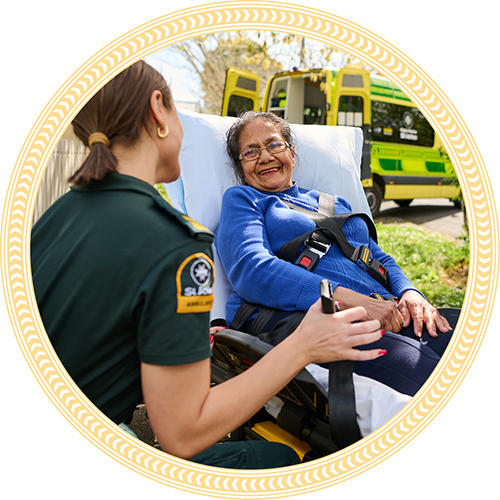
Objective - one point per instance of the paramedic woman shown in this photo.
(124, 288)
(256, 222)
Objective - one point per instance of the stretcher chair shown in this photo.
(327, 159)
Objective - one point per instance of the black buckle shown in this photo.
(378, 271)
(363, 257)
(313, 251)
(389, 297)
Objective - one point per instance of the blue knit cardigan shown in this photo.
(253, 227)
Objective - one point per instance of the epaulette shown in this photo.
(195, 229)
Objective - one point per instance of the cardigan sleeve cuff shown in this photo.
(310, 292)
(403, 285)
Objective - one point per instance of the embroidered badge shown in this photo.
(194, 279)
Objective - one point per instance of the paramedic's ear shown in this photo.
(157, 106)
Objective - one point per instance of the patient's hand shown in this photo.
(414, 307)
(386, 311)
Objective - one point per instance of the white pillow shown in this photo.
(327, 159)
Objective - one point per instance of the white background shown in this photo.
(43, 456)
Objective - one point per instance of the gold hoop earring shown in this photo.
(162, 135)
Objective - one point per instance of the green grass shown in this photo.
(436, 266)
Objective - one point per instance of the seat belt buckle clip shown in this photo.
(307, 259)
(316, 246)
(393, 298)
(362, 256)
(377, 296)
(378, 272)
(313, 251)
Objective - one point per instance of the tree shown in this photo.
(262, 52)
(209, 56)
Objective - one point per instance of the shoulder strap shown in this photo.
(326, 204)
(326, 210)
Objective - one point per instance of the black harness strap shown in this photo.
(342, 404)
(242, 314)
(261, 320)
(258, 323)
(329, 230)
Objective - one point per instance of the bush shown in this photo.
(436, 266)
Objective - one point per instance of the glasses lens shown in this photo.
(250, 154)
(276, 147)
(273, 148)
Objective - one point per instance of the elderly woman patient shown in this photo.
(257, 220)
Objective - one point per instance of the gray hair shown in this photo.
(234, 133)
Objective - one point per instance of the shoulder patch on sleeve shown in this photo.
(194, 280)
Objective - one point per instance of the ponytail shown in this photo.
(99, 162)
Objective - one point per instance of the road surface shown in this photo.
(436, 214)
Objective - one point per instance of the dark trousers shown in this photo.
(248, 455)
(409, 360)
(406, 366)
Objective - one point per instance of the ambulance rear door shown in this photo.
(241, 92)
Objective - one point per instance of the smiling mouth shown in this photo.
(269, 171)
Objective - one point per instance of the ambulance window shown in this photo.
(350, 111)
(314, 101)
(238, 104)
(278, 100)
(435, 166)
(400, 124)
(246, 83)
(352, 81)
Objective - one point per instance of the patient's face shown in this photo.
(271, 173)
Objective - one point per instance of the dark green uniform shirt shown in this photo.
(121, 278)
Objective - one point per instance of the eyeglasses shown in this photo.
(254, 153)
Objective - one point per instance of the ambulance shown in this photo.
(403, 158)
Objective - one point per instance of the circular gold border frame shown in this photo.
(16, 227)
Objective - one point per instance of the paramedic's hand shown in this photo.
(213, 331)
(323, 338)
(414, 307)
(386, 311)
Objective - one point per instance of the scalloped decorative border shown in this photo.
(16, 228)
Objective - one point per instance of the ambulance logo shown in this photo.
(408, 119)
(201, 272)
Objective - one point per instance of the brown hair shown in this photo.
(120, 110)
(234, 133)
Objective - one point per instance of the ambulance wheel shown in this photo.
(374, 197)
(403, 203)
